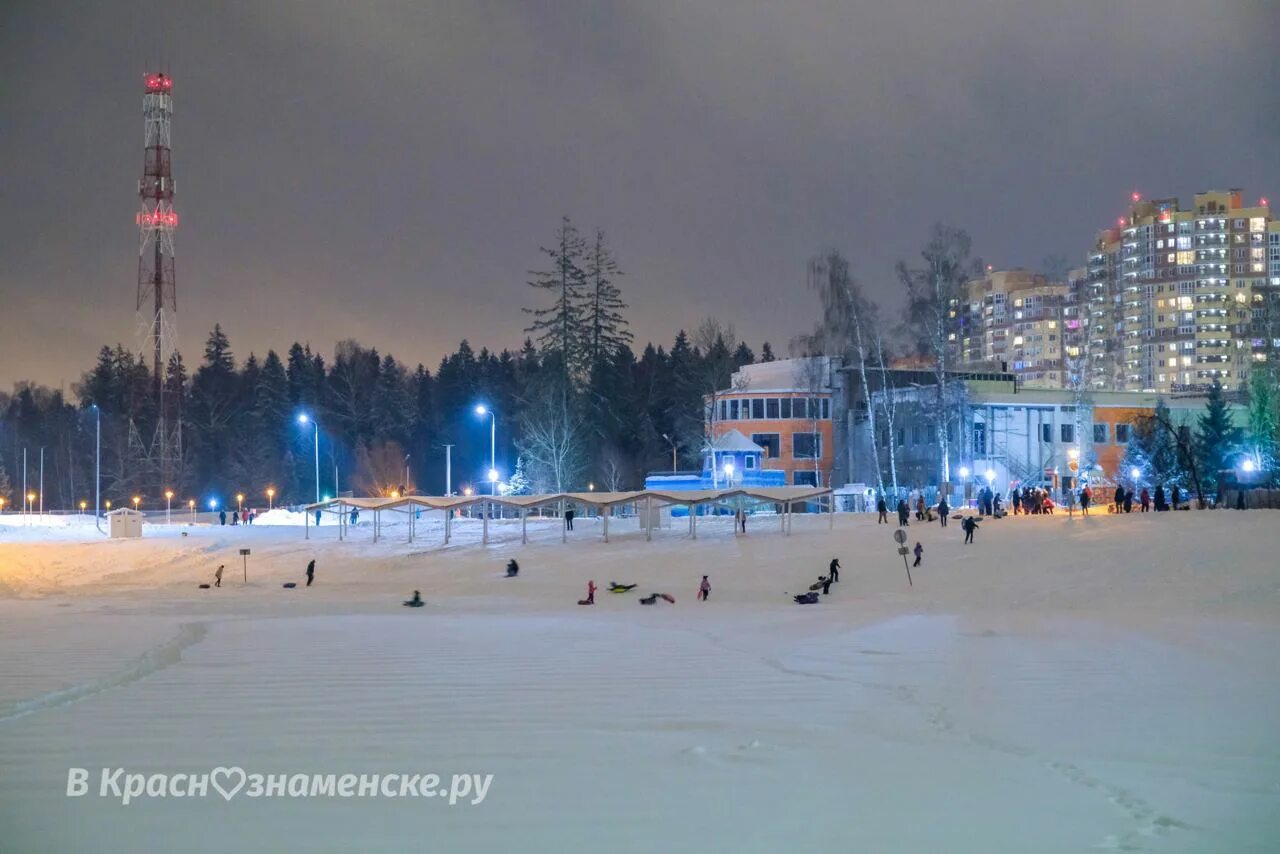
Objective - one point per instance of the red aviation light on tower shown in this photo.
(1263, 202)
(157, 83)
(1137, 197)
(157, 219)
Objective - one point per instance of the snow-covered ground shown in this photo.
(1060, 685)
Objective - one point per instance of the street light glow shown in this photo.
(1247, 466)
(168, 494)
(493, 475)
(303, 418)
(964, 471)
(481, 409)
(1134, 473)
(991, 475)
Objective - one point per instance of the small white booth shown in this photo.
(124, 523)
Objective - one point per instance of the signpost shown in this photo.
(900, 537)
(244, 554)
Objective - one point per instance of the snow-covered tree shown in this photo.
(1217, 439)
(520, 483)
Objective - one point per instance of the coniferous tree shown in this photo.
(559, 327)
(1217, 439)
(605, 326)
(766, 353)
(1262, 420)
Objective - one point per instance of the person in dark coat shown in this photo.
(903, 513)
(1015, 498)
(704, 589)
(1128, 501)
(568, 519)
(969, 525)
(513, 568)
(1145, 500)
(883, 509)
(1160, 502)
(826, 584)
(317, 518)
(1086, 495)
(919, 552)
(943, 510)
(833, 571)
(311, 572)
(1239, 498)
(1119, 498)
(1177, 496)
(222, 517)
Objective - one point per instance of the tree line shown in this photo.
(575, 405)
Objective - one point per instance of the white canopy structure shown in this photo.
(604, 502)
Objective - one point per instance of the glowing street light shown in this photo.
(84, 505)
(964, 472)
(191, 505)
(1, 505)
(395, 493)
(1135, 473)
(482, 411)
(271, 497)
(213, 504)
(728, 472)
(303, 418)
(467, 491)
(168, 506)
(239, 501)
(1247, 466)
(107, 503)
(136, 501)
(591, 487)
(991, 476)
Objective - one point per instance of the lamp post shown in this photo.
(168, 506)
(1, 505)
(728, 473)
(239, 503)
(136, 501)
(406, 473)
(672, 443)
(97, 470)
(31, 502)
(493, 445)
(271, 497)
(107, 505)
(191, 505)
(84, 505)
(305, 419)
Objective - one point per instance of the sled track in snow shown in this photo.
(155, 659)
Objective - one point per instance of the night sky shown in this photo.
(387, 171)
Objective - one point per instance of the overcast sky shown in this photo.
(387, 171)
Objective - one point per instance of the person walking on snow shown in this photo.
(969, 525)
(833, 571)
(1145, 500)
(704, 589)
(311, 572)
(883, 509)
(222, 517)
(943, 510)
(217, 576)
(919, 552)
(920, 509)
(1128, 501)
(1086, 495)
(591, 593)
(903, 513)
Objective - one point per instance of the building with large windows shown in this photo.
(784, 407)
(1017, 317)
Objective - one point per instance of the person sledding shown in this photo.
(415, 602)
(591, 594)
(810, 598)
(615, 587)
(513, 568)
(654, 597)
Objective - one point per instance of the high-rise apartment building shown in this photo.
(1016, 317)
(1177, 298)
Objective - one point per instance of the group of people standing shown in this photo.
(243, 516)
(1031, 500)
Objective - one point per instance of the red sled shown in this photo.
(668, 597)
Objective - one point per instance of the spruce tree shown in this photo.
(1217, 439)
(559, 327)
(766, 353)
(605, 325)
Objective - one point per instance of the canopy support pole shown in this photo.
(606, 511)
(564, 525)
(648, 518)
(484, 513)
(524, 525)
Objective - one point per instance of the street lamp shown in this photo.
(306, 419)
(107, 504)
(483, 410)
(728, 472)
(991, 476)
(31, 500)
(271, 497)
(1135, 473)
(84, 505)
(239, 502)
(672, 443)
(191, 505)
(964, 472)
(168, 506)
(466, 491)
(1, 505)
(1247, 466)
(97, 469)
(136, 501)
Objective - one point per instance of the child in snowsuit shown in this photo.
(591, 594)
(919, 552)
(704, 589)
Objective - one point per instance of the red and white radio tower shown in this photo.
(157, 286)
